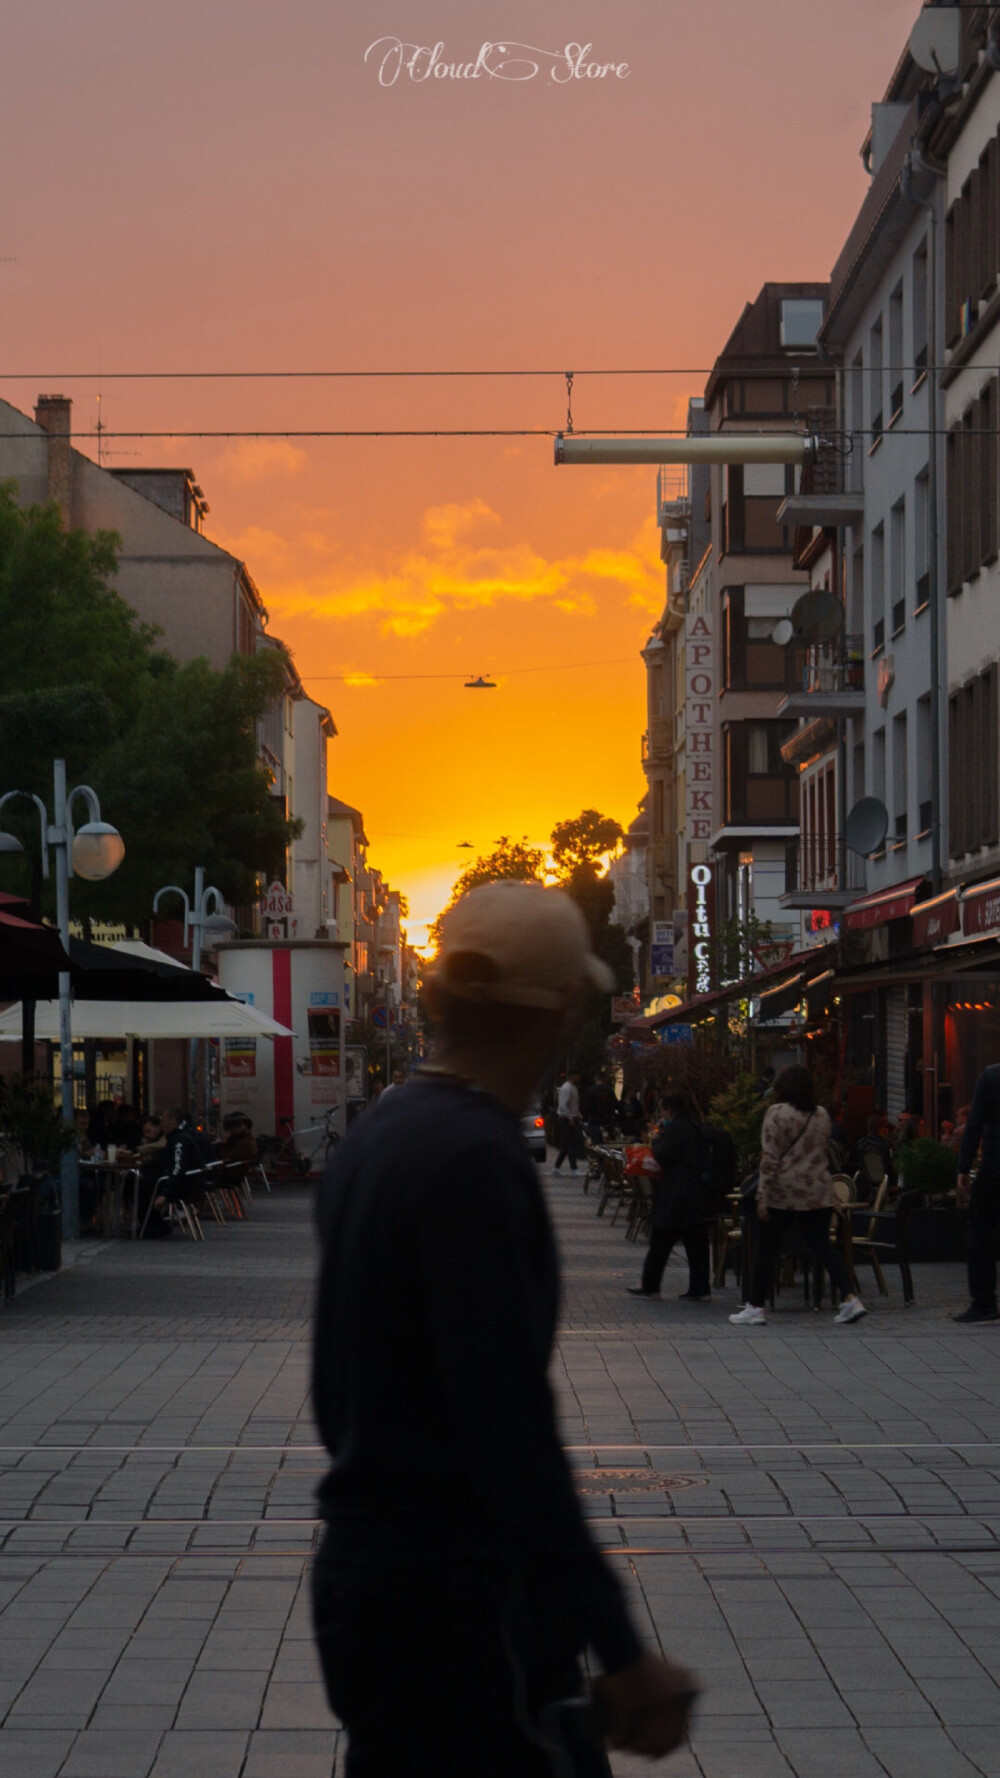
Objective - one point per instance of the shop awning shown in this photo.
(775, 979)
(981, 908)
(934, 921)
(882, 905)
(776, 1001)
(218, 1017)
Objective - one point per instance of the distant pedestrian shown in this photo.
(679, 1210)
(796, 1191)
(982, 1194)
(569, 1124)
(456, 1585)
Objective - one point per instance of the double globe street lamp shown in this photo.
(204, 918)
(93, 851)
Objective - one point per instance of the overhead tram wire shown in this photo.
(796, 361)
(592, 431)
(363, 681)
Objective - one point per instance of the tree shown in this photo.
(510, 861)
(170, 749)
(584, 840)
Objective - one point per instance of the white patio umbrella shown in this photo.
(220, 1016)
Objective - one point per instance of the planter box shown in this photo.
(937, 1232)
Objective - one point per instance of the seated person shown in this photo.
(876, 1142)
(239, 1142)
(84, 1146)
(178, 1157)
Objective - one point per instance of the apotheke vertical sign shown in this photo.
(699, 725)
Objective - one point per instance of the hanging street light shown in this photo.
(93, 852)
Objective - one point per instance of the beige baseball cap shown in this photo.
(518, 944)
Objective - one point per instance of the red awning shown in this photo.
(882, 905)
(981, 908)
(934, 921)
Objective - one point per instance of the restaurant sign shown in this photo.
(701, 927)
(981, 908)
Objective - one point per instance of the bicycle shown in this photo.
(295, 1156)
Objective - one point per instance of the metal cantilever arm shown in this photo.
(43, 816)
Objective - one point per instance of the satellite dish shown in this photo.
(936, 40)
(783, 632)
(867, 826)
(818, 616)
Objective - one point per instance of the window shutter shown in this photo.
(951, 303)
(991, 472)
(991, 758)
(988, 217)
(956, 842)
(953, 509)
(968, 498)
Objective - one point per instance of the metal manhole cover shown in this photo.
(633, 1481)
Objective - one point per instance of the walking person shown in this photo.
(569, 1127)
(679, 1211)
(457, 1585)
(796, 1191)
(982, 1195)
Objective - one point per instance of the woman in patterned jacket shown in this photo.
(796, 1190)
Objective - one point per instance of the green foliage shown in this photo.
(510, 861)
(584, 841)
(169, 748)
(740, 1110)
(737, 946)
(927, 1166)
(32, 1132)
(203, 798)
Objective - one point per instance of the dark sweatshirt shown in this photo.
(435, 1323)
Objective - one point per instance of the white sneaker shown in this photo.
(751, 1317)
(850, 1311)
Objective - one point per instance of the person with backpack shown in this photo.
(795, 1190)
(683, 1201)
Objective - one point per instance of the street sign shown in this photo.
(277, 903)
(378, 1017)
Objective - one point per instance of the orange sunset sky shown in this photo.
(225, 185)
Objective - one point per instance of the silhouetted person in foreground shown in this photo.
(982, 1195)
(456, 1585)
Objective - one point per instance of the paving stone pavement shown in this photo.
(808, 1514)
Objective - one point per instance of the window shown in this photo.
(801, 320)
(896, 351)
(924, 737)
(900, 776)
(921, 540)
(878, 586)
(973, 746)
(897, 568)
(971, 248)
(757, 749)
(878, 764)
(920, 310)
(875, 380)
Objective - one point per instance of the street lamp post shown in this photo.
(93, 852)
(202, 916)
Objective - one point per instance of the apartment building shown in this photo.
(743, 801)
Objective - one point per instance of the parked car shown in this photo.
(533, 1131)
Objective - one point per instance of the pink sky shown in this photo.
(225, 185)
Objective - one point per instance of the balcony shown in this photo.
(828, 877)
(833, 681)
